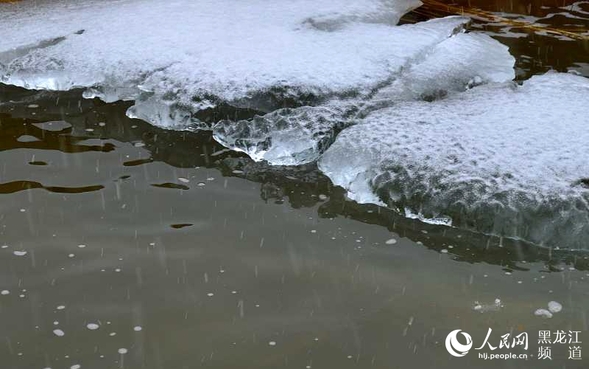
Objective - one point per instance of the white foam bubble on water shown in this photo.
(58, 332)
(92, 326)
(554, 307)
(484, 308)
(19, 253)
(500, 158)
(543, 313)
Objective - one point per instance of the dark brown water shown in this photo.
(127, 246)
(543, 35)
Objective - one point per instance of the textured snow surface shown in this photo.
(499, 158)
(182, 56)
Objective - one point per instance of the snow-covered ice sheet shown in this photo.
(298, 136)
(179, 57)
(500, 158)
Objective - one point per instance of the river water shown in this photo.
(124, 245)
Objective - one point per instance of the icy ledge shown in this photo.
(500, 159)
(177, 58)
(298, 136)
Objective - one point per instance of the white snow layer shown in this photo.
(178, 57)
(483, 152)
(502, 159)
